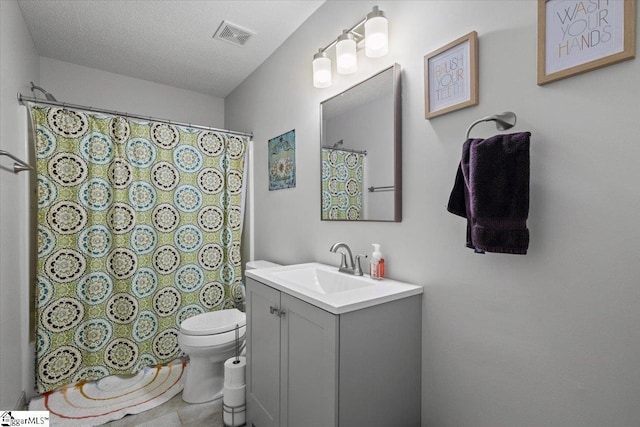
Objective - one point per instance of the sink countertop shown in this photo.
(367, 292)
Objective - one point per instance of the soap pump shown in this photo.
(376, 266)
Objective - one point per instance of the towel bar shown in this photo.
(383, 188)
(18, 165)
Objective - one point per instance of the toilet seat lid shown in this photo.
(215, 322)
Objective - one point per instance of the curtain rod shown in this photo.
(22, 99)
(348, 150)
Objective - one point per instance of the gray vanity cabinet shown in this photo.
(263, 378)
(292, 372)
(307, 367)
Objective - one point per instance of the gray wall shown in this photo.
(19, 62)
(90, 87)
(547, 339)
(77, 85)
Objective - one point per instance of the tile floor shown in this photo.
(175, 413)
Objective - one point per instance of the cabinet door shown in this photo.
(308, 364)
(263, 356)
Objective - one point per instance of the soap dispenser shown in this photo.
(376, 266)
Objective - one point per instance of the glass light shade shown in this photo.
(346, 57)
(376, 32)
(321, 70)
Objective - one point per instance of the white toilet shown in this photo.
(209, 339)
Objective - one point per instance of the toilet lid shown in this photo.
(215, 322)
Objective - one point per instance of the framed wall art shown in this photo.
(282, 161)
(576, 36)
(451, 76)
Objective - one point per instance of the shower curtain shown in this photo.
(342, 184)
(139, 227)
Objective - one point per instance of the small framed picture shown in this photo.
(576, 36)
(282, 161)
(451, 77)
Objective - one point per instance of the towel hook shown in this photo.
(504, 121)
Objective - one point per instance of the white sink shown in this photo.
(323, 286)
(324, 281)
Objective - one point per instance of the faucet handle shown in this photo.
(357, 268)
(343, 260)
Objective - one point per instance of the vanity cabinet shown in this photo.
(308, 367)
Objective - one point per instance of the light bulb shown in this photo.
(321, 70)
(376, 31)
(346, 57)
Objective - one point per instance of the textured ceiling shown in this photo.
(164, 41)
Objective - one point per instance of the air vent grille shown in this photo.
(232, 33)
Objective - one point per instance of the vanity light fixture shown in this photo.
(321, 70)
(346, 56)
(376, 41)
(376, 29)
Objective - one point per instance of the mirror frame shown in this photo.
(397, 144)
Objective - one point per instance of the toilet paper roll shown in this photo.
(233, 396)
(234, 373)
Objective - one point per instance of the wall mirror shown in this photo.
(361, 151)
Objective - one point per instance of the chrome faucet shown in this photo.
(347, 265)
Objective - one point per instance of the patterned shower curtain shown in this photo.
(139, 228)
(342, 184)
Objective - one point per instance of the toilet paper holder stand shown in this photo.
(236, 410)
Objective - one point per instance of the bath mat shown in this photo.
(93, 403)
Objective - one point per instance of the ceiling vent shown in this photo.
(232, 33)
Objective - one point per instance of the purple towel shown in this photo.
(492, 191)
